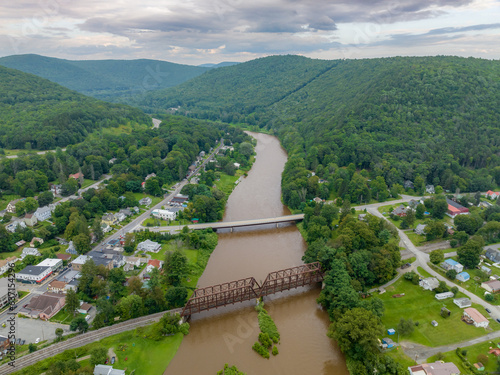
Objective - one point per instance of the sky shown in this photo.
(211, 31)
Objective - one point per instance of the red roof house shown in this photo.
(455, 208)
(76, 175)
(492, 194)
(155, 263)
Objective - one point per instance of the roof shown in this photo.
(85, 306)
(32, 270)
(493, 284)
(81, 259)
(107, 370)
(452, 262)
(4, 286)
(464, 275)
(56, 284)
(28, 216)
(45, 302)
(50, 262)
(475, 315)
(155, 263)
(63, 256)
(437, 368)
(68, 276)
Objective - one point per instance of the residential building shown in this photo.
(84, 308)
(462, 302)
(362, 217)
(478, 319)
(491, 286)
(107, 370)
(486, 270)
(485, 204)
(128, 267)
(44, 306)
(155, 263)
(71, 249)
(400, 211)
(455, 208)
(450, 264)
(492, 194)
(99, 257)
(43, 213)
(78, 263)
(149, 246)
(420, 229)
(430, 189)
(126, 211)
(76, 176)
(35, 239)
(20, 243)
(437, 368)
(109, 219)
(408, 184)
(56, 189)
(463, 276)
(149, 176)
(164, 214)
(13, 226)
(4, 343)
(57, 286)
(30, 220)
(120, 216)
(54, 264)
(33, 274)
(63, 257)
(134, 261)
(11, 207)
(146, 201)
(429, 283)
(4, 292)
(441, 296)
(30, 251)
(493, 255)
(105, 228)
(179, 198)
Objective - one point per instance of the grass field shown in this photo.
(62, 317)
(226, 182)
(6, 198)
(155, 200)
(421, 306)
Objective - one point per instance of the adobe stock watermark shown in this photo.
(247, 330)
(11, 321)
(34, 24)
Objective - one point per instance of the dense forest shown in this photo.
(105, 79)
(365, 126)
(38, 114)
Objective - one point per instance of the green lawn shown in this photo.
(6, 198)
(421, 306)
(62, 317)
(423, 272)
(155, 200)
(87, 183)
(226, 182)
(472, 353)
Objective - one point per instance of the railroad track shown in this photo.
(81, 340)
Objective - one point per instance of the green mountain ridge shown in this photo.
(43, 115)
(105, 79)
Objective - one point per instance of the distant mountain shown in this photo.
(39, 114)
(219, 65)
(105, 79)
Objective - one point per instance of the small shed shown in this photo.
(441, 296)
(391, 331)
(387, 341)
(479, 366)
(434, 323)
(463, 276)
(486, 270)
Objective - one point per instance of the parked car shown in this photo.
(112, 360)
(498, 320)
(23, 342)
(37, 340)
(488, 311)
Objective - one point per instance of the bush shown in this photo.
(454, 243)
(265, 340)
(454, 290)
(439, 356)
(261, 350)
(275, 350)
(489, 297)
(451, 274)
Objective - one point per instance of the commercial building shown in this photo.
(54, 264)
(33, 274)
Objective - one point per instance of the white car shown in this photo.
(37, 340)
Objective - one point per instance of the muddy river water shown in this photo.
(226, 335)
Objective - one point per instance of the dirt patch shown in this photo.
(111, 354)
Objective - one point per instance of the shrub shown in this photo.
(454, 243)
(451, 274)
(260, 350)
(489, 297)
(265, 340)
(439, 356)
(275, 350)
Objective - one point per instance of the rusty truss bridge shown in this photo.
(246, 289)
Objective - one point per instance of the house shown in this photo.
(11, 207)
(485, 204)
(43, 213)
(202, 154)
(463, 276)
(455, 209)
(30, 220)
(112, 160)
(155, 263)
(478, 319)
(126, 211)
(4, 292)
(492, 194)
(33, 274)
(462, 302)
(430, 189)
(128, 267)
(84, 308)
(107, 370)
(149, 176)
(420, 229)
(146, 201)
(134, 261)
(437, 368)
(149, 245)
(35, 239)
(491, 286)
(450, 264)
(408, 184)
(4, 343)
(486, 270)
(14, 225)
(56, 189)
(164, 214)
(30, 251)
(179, 198)
(57, 286)
(63, 257)
(413, 203)
(100, 257)
(400, 211)
(44, 306)
(237, 165)
(20, 243)
(429, 283)
(105, 228)
(109, 219)
(493, 255)
(76, 176)
(441, 296)
(71, 249)
(362, 217)
(120, 216)
(78, 263)
(54, 264)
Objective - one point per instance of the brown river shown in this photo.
(226, 335)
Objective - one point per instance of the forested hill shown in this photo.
(105, 79)
(402, 118)
(39, 114)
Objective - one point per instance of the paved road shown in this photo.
(38, 152)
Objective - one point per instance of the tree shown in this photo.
(82, 243)
(130, 307)
(406, 327)
(440, 208)
(451, 274)
(357, 332)
(45, 198)
(72, 302)
(175, 267)
(20, 208)
(98, 356)
(59, 334)
(152, 186)
(176, 297)
(32, 347)
(97, 229)
(30, 204)
(420, 211)
(79, 324)
(469, 254)
(410, 217)
(467, 223)
(436, 256)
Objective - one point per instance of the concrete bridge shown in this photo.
(230, 224)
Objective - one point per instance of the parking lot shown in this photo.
(31, 329)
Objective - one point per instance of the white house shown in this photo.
(462, 302)
(146, 201)
(134, 261)
(13, 226)
(492, 194)
(43, 213)
(478, 318)
(441, 296)
(149, 245)
(463, 276)
(164, 214)
(120, 216)
(107, 370)
(30, 251)
(450, 264)
(429, 283)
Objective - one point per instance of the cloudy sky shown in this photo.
(202, 31)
